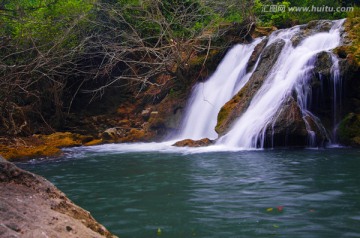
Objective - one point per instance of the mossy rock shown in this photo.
(262, 31)
(27, 152)
(349, 130)
(42, 145)
(352, 50)
(94, 142)
(63, 139)
(135, 135)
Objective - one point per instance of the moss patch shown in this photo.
(134, 135)
(24, 152)
(224, 116)
(41, 145)
(349, 130)
(352, 28)
(94, 142)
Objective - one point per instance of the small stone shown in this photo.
(68, 228)
(146, 113)
(194, 143)
(13, 227)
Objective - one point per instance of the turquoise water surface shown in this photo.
(265, 193)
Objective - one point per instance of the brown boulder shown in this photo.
(262, 31)
(194, 143)
(112, 134)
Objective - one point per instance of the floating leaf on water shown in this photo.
(280, 208)
(270, 209)
(158, 231)
(275, 226)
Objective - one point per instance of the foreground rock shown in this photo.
(30, 206)
(194, 143)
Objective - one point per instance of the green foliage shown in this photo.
(46, 23)
(352, 28)
(40, 40)
(298, 11)
(349, 130)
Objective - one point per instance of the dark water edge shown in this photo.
(269, 193)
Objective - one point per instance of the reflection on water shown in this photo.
(275, 193)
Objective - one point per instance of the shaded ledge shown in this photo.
(30, 206)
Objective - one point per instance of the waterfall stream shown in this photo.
(290, 73)
(208, 97)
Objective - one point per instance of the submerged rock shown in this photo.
(194, 143)
(30, 206)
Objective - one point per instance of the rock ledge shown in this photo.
(30, 206)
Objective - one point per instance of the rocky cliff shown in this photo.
(349, 54)
(30, 206)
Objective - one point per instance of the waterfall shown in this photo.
(288, 79)
(291, 71)
(337, 87)
(208, 97)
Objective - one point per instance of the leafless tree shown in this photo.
(150, 43)
(116, 44)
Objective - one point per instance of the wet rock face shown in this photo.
(322, 88)
(349, 130)
(30, 206)
(311, 28)
(318, 26)
(239, 103)
(255, 55)
(289, 128)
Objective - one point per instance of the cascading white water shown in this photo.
(337, 86)
(289, 72)
(208, 97)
